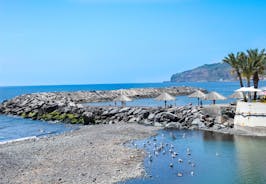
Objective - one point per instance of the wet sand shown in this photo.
(93, 154)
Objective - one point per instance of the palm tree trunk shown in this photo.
(240, 79)
(241, 84)
(248, 85)
(248, 82)
(256, 83)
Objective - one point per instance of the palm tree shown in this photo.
(258, 60)
(246, 67)
(235, 63)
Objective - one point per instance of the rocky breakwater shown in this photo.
(98, 96)
(66, 107)
(50, 108)
(63, 106)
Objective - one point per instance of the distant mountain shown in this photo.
(206, 73)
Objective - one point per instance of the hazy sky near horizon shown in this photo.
(121, 41)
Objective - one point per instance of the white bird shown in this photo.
(180, 160)
(172, 146)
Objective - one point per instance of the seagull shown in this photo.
(179, 174)
(192, 173)
(171, 165)
(180, 160)
(172, 135)
(172, 146)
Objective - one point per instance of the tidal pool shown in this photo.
(202, 157)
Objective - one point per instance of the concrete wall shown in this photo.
(251, 116)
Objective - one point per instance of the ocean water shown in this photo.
(12, 128)
(214, 158)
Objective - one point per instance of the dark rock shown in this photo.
(50, 108)
(88, 118)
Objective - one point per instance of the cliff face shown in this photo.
(207, 72)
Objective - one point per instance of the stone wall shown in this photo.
(251, 117)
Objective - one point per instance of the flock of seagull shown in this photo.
(155, 148)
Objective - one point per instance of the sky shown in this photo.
(121, 41)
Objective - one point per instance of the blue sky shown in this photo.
(121, 41)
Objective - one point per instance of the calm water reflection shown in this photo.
(212, 158)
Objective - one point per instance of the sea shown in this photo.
(213, 158)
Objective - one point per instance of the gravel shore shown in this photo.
(92, 154)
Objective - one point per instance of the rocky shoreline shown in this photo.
(67, 107)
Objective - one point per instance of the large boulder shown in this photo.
(88, 118)
(166, 116)
(173, 125)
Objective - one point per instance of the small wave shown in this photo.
(48, 133)
(18, 140)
